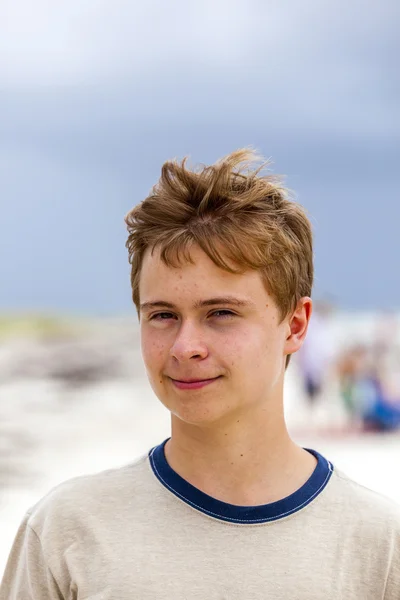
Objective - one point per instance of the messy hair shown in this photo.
(241, 218)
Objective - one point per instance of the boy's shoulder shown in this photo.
(361, 505)
(100, 493)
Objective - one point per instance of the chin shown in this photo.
(200, 414)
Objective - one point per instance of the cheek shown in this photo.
(255, 351)
(154, 350)
(242, 353)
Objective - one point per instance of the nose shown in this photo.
(189, 343)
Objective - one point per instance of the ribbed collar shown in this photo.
(240, 514)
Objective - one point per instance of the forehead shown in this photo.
(192, 281)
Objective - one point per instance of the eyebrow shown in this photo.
(231, 300)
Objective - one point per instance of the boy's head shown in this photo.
(242, 220)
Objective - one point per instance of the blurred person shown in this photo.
(384, 413)
(386, 355)
(353, 371)
(316, 356)
(371, 402)
(229, 506)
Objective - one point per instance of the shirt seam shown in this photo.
(47, 565)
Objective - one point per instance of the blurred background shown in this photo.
(94, 97)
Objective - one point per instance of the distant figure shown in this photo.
(371, 403)
(384, 413)
(353, 374)
(316, 355)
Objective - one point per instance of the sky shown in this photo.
(95, 96)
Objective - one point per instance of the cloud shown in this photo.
(93, 40)
(84, 41)
(303, 66)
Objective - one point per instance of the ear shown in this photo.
(298, 325)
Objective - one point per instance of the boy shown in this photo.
(229, 507)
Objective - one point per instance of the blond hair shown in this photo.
(240, 218)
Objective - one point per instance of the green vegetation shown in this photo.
(36, 326)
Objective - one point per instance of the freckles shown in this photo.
(161, 350)
(156, 350)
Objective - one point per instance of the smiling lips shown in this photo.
(192, 384)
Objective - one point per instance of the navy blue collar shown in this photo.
(240, 514)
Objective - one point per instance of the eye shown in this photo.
(223, 314)
(162, 316)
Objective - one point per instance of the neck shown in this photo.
(249, 462)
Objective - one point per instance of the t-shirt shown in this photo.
(142, 532)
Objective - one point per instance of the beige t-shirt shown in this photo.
(141, 532)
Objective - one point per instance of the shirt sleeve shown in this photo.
(27, 576)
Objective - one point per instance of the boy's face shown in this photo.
(211, 340)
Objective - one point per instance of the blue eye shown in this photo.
(161, 316)
(222, 313)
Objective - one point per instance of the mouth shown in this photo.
(192, 384)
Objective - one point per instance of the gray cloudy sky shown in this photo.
(96, 95)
